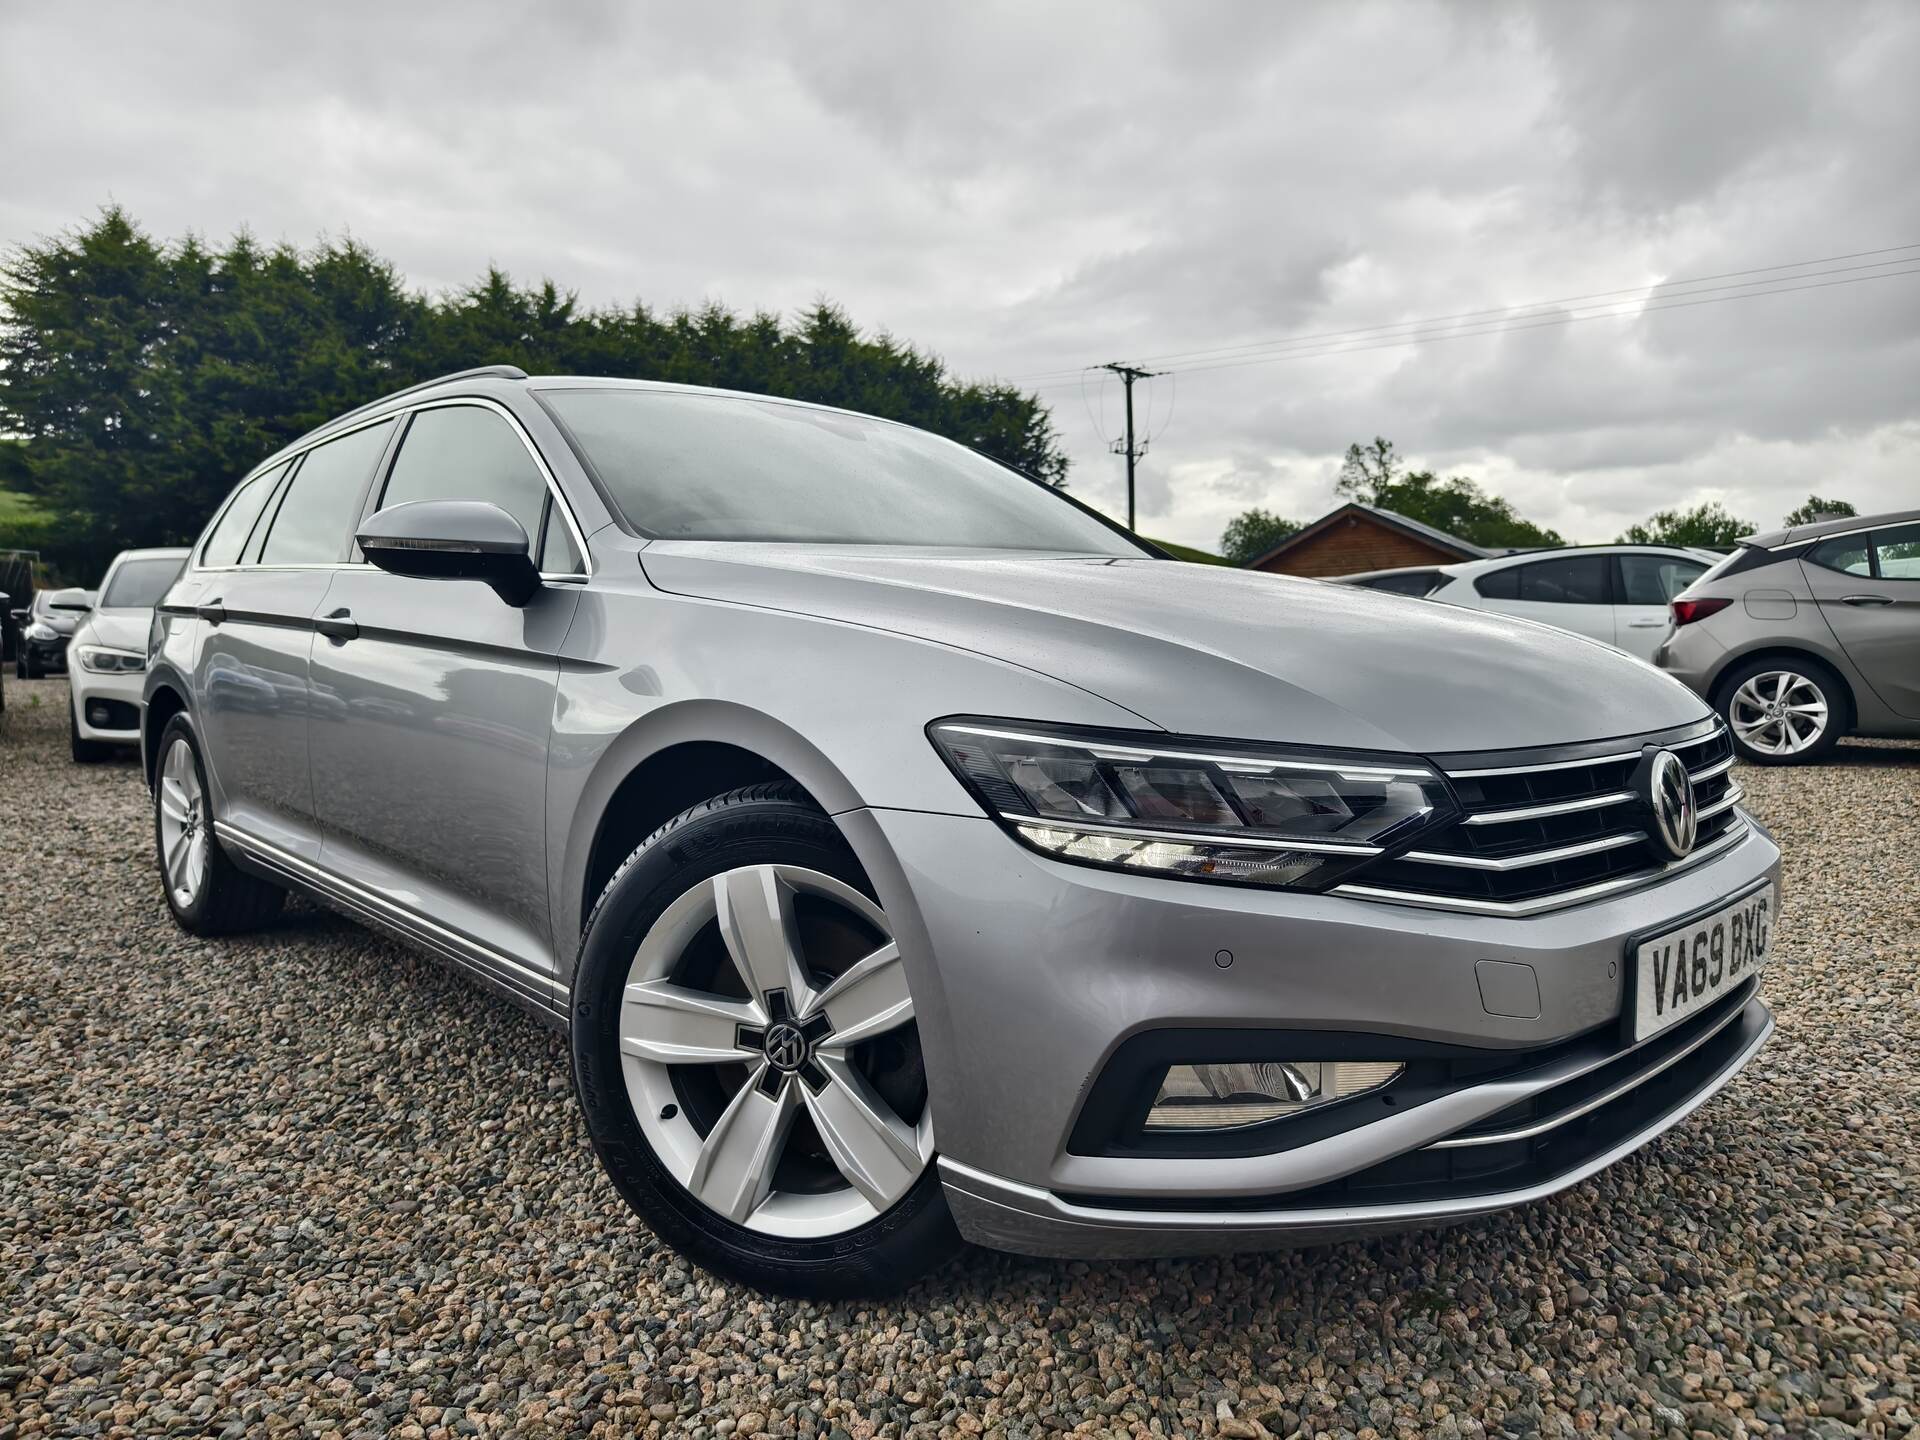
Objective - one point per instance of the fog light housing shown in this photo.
(1223, 1097)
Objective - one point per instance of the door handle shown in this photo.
(338, 626)
(1646, 624)
(213, 612)
(1866, 599)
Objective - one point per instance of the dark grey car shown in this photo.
(1805, 635)
(911, 855)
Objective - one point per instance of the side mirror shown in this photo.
(453, 540)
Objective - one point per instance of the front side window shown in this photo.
(714, 467)
(230, 531)
(1896, 553)
(139, 584)
(465, 452)
(1845, 553)
(316, 515)
(1656, 579)
(1575, 580)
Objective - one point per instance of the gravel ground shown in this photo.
(307, 1184)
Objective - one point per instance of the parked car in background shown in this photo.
(6, 629)
(1615, 593)
(51, 621)
(1802, 636)
(107, 654)
(910, 854)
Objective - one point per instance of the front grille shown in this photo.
(1542, 829)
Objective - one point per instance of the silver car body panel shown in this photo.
(446, 772)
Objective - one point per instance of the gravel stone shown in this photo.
(307, 1184)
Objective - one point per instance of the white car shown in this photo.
(1615, 593)
(107, 657)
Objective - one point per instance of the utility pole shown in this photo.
(1128, 374)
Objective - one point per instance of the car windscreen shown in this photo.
(139, 584)
(714, 467)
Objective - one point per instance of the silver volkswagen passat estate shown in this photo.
(911, 855)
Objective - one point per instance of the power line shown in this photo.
(1505, 312)
(1505, 325)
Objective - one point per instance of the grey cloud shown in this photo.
(1025, 188)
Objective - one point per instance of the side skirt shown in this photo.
(540, 995)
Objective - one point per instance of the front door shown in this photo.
(436, 702)
(1868, 589)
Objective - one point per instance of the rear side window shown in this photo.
(1656, 579)
(317, 512)
(1845, 553)
(230, 531)
(1576, 580)
(1896, 553)
(1500, 584)
(464, 452)
(1420, 582)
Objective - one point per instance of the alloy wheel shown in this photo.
(183, 825)
(1778, 712)
(770, 1055)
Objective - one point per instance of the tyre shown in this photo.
(85, 751)
(207, 893)
(1784, 710)
(25, 669)
(745, 1051)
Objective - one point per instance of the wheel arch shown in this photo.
(165, 699)
(673, 758)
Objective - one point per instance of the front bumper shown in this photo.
(107, 707)
(1030, 974)
(46, 656)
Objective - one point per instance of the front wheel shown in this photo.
(745, 1050)
(1783, 711)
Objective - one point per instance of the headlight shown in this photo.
(39, 630)
(1249, 813)
(111, 662)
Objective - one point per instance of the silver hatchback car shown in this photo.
(912, 856)
(1805, 635)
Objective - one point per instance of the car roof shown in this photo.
(1840, 525)
(156, 552)
(479, 380)
(1521, 557)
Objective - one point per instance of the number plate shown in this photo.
(1685, 970)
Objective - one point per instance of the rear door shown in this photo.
(1569, 592)
(1642, 586)
(430, 742)
(251, 677)
(1868, 589)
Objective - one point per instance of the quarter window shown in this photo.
(316, 514)
(464, 452)
(1845, 553)
(1896, 553)
(558, 554)
(230, 531)
(1656, 579)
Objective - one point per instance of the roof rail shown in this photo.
(496, 372)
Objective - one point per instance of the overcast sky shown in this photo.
(1024, 189)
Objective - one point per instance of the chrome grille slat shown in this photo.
(1558, 831)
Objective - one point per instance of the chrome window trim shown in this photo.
(1735, 833)
(560, 502)
(286, 457)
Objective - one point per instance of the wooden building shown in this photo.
(1358, 537)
